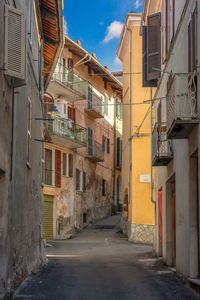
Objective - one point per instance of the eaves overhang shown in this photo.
(94, 64)
(132, 19)
(52, 23)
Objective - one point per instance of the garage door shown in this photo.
(48, 218)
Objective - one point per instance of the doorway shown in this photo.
(119, 194)
(160, 222)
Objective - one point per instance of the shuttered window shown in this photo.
(118, 152)
(89, 96)
(64, 164)
(103, 143)
(192, 42)
(145, 82)
(70, 164)
(121, 111)
(58, 168)
(153, 46)
(103, 187)
(90, 141)
(71, 113)
(84, 181)
(105, 106)
(108, 146)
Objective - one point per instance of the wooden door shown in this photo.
(173, 230)
(160, 222)
(48, 218)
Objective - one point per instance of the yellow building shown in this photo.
(138, 214)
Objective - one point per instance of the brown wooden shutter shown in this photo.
(189, 47)
(71, 113)
(159, 113)
(70, 165)
(58, 168)
(194, 40)
(153, 46)
(77, 179)
(145, 82)
(84, 181)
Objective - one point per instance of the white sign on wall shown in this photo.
(145, 178)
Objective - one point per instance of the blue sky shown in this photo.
(97, 24)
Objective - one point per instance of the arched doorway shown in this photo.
(119, 193)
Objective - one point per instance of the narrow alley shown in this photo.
(99, 263)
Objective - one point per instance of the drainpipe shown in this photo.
(114, 153)
(151, 105)
(129, 117)
(152, 200)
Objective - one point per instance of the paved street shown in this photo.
(99, 264)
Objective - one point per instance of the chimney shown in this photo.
(94, 55)
(106, 67)
(78, 42)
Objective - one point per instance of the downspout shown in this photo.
(129, 117)
(114, 152)
(151, 171)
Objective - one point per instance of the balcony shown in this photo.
(67, 133)
(95, 152)
(94, 106)
(161, 146)
(182, 114)
(66, 83)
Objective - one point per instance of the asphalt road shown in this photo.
(100, 264)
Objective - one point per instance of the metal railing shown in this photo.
(94, 102)
(48, 174)
(182, 98)
(161, 146)
(71, 80)
(95, 150)
(67, 128)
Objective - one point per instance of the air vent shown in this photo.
(15, 54)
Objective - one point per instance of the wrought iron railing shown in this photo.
(161, 146)
(71, 80)
(182, 98)
(94, 102)
(95, 150)
(67, 128)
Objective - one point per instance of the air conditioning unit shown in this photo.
(15, 45)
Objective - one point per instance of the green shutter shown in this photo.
(103, 143)
(90, 141)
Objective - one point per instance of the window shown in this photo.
(64, 164)
(84, 182)
(103, 143)
(30, 21)
(71, 113)
(105, 106)
(90, 141)
(108, 146)
(119, 150)
(70, 165)
(79, 180)
(103, 187)
(29, 132)
(48, 172)
(105, 84)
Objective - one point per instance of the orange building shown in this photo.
(83, 149)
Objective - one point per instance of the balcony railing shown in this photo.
(66, 83)
(161, 147)
(66, 132)
(94, 106)
(48, 174)
(95, 152)
(182, 114)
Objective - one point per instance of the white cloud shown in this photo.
(66, 29)
(113, 31)
(138, 3)
(117, 61)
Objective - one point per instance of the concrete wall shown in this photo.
(182, 166)
(21, 209)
